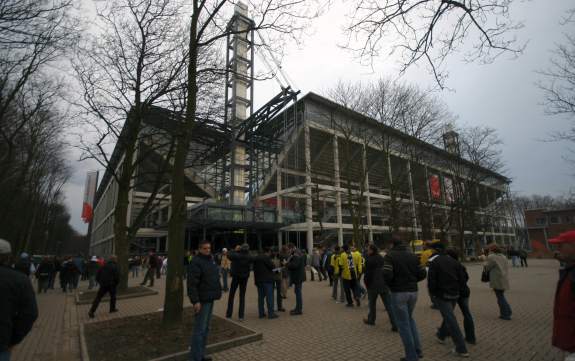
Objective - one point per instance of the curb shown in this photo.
(83, 347)
(182, 355)
(148, 292)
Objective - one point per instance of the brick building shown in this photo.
(543, 225)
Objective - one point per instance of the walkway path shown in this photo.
(330, 331)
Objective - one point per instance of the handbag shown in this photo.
(484, 275)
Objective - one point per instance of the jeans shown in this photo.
(224, 273)
(265, 292)
(51, 281)
(403, 306)
(468, 324)
(4, 355)
(101, 293)
(200, 333)
(75, 281)
(43, 283)
(241, 283)
(135, 271)
(91, 281)
(514, 260)
(331, 278)
(386, 298)
(351, 286)
(149, 276)
(523, 261)
(504, 308)
(449, 324)
(298, 298)
(278, 286)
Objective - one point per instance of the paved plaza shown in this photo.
(330, 331)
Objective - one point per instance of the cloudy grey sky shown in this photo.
(502, 95)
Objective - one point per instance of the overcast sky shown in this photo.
(501, 95)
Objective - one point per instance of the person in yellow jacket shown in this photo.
(361, 269)
(335, 264)
(350, 267)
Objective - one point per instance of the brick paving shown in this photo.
(330, 331)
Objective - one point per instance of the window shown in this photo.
(540, 221)
(568, 219)
(554, 220)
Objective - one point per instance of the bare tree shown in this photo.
(33, 35)
(399, 110)
(431, 30)
(135, 62)
(208, 26)
(558, 85)
(477, 161)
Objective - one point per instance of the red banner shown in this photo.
(435, 187)
(89, 195)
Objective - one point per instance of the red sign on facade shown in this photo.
(435, 187)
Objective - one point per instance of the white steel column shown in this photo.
(240, 92)
(337, 192)
(412, 196)
(279, 204)
(308, 199)
(430, 203)
(367, 198)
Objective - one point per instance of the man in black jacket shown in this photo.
(240, 271)
(296, 267)
(463, 303)
(18, 309)
(445, 281)
(264, 279)
(108, 278)
(203, 289)
(402, 271)
(376, 287)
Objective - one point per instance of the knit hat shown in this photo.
(5, 247)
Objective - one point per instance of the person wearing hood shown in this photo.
(240, 270)
(18, 309)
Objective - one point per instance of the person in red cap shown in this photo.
(564, 308)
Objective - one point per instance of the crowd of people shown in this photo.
(392, 275)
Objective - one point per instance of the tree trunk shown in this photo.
(173, 301)
(121, 239)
